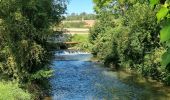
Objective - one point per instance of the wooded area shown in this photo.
(133, 34)
(25, 26)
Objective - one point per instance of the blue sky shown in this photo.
(79, 6)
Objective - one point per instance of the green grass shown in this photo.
(74, 25)
(80, 38)
(11, 91)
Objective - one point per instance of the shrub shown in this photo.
(129, 37)
(11, 91)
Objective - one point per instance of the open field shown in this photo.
(87, 23)
(76, 30)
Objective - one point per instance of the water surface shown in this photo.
(77, 78)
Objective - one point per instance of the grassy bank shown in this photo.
(11, 91)
(80, 37)
(83, 40)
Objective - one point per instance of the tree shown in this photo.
(24, 28)
(127, 34)
(164, 20)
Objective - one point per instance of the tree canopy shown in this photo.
(131, 34)
(25, 26)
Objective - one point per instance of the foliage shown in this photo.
(11, 91)
(142, 37)
(84, 44)
(127, 34)
(99, 4)
(163, 19)
(101, 38)
(152, 65)
(42, 74)
(25, 26)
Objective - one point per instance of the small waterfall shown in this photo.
(72, 55)
(70, 52)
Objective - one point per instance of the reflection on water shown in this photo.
(76, 78)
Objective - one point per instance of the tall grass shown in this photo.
(11, 91)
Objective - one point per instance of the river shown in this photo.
(78, 78)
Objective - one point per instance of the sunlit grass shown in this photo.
(80, 38)
(11, 91)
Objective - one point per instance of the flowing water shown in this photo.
(77, 78)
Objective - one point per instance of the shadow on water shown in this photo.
(77, 78)
(149, 89)
(131, 86)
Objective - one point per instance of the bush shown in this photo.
(129, 37)
(11, 91)
(25, 26)
(83, 44)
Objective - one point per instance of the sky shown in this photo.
(79, 6)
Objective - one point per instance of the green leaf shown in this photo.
(162, 13)
(154, 2)
(165, 59)
(165, 33)
(168, 43)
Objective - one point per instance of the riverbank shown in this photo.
(133, 77)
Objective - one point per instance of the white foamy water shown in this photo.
(72, 55)
(70, 52)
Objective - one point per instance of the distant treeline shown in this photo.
(81, 16)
